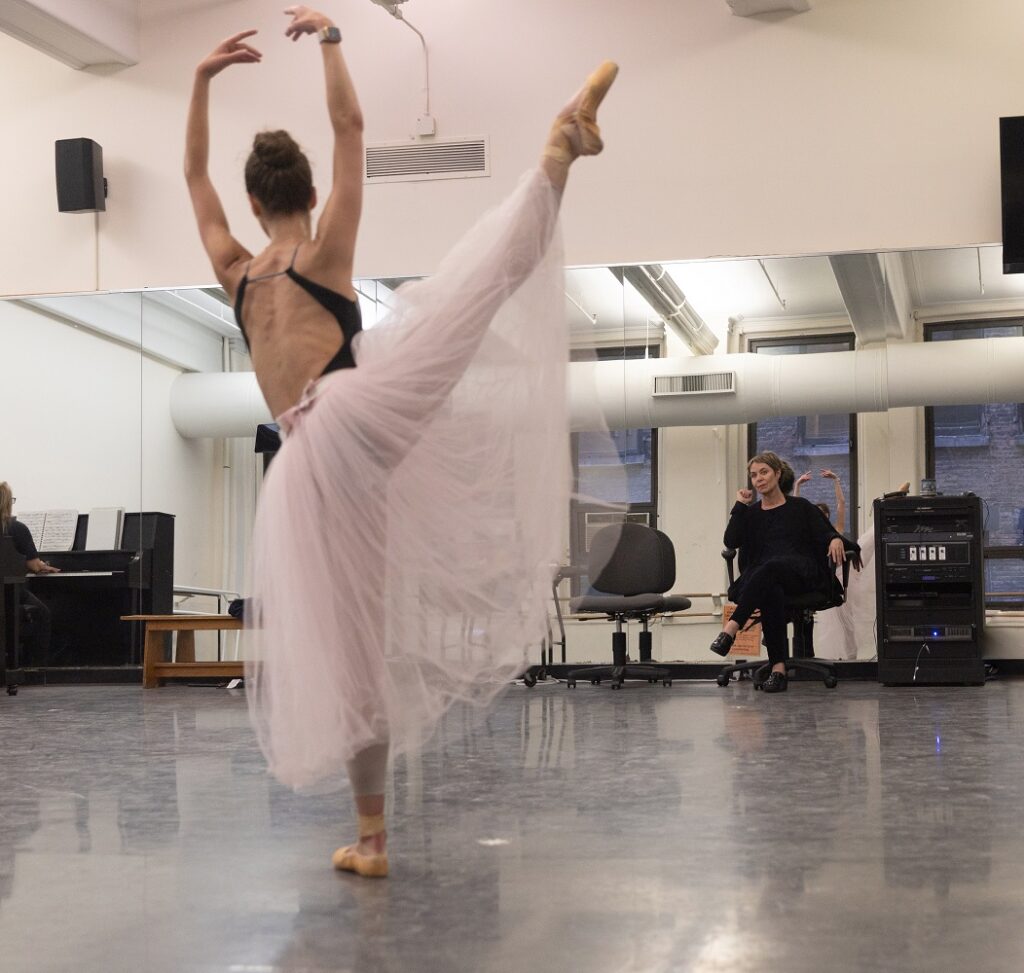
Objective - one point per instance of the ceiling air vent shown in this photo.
(695, 384)
(415, 161)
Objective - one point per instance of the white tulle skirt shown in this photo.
(408, 529)
(848, 632)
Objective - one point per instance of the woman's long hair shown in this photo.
(786, 475)
(6, 503)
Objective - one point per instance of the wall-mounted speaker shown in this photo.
(1011, 167)
(81, 187)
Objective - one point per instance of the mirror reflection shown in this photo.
(94, 431)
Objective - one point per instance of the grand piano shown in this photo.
(12, 577)
(95, 588)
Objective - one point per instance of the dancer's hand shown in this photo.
(305, 20)
(228, 52)
(745, 496)
(836, 551)
(828, 475)
(803, 478)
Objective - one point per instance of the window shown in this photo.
(816, 442)
(980, 448)
(622, 471)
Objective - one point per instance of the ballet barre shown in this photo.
(156, 667)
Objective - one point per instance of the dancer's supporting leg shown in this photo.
(367, 771)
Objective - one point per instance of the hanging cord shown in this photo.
(396, 12)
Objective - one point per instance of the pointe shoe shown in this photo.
(351, 859)
(575, 131)
(348, 859)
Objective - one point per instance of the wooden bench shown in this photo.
(155, 667)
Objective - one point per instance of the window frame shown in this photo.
(577, 510)
(754, 344)
(994, 552)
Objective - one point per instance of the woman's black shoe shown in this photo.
(777, 682)
(723, 642)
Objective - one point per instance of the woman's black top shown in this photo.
(22, 538)
(345, 311)
(796, 530)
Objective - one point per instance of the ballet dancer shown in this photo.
(840, 519)
(403, 544)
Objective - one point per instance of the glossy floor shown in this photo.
(691, 828)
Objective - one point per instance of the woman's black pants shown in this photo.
(765, 587)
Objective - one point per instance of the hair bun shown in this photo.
(276, 149)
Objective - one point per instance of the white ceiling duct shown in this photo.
(871, 380)
(217, 404)
(81, 33)
(622, 395)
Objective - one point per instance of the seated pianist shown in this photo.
(37, 632)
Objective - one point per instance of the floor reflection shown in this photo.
(648, 829)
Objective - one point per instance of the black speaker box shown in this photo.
(81, 187)
(1011, 169)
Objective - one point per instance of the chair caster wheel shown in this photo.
(12, 690)
(665, 682)
(616, 685)
(831, 682)
(529, 680)
(570, 684)
(722, 680)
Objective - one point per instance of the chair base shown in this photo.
(618, 675)
(825, 671)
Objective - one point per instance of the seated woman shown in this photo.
(787, 545)
(37, 638)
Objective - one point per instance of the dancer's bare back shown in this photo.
(291, 336)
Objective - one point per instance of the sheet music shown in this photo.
(104, 530)
(33, 520)
(59, 530)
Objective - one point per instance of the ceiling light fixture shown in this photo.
(656, 286)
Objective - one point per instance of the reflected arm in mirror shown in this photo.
(226, 254)
(840, 520)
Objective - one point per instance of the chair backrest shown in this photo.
(631, 559)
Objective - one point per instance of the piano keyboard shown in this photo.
(78, 574)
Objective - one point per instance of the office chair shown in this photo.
(800, 609)
(630, 567)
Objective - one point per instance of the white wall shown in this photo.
(857, 125)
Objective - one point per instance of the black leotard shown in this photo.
(345, 311)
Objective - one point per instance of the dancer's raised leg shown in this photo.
(368, 857)
(575, 131)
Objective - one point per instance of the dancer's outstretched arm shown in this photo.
(226, 254)
(840, 520)
(339, 222)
